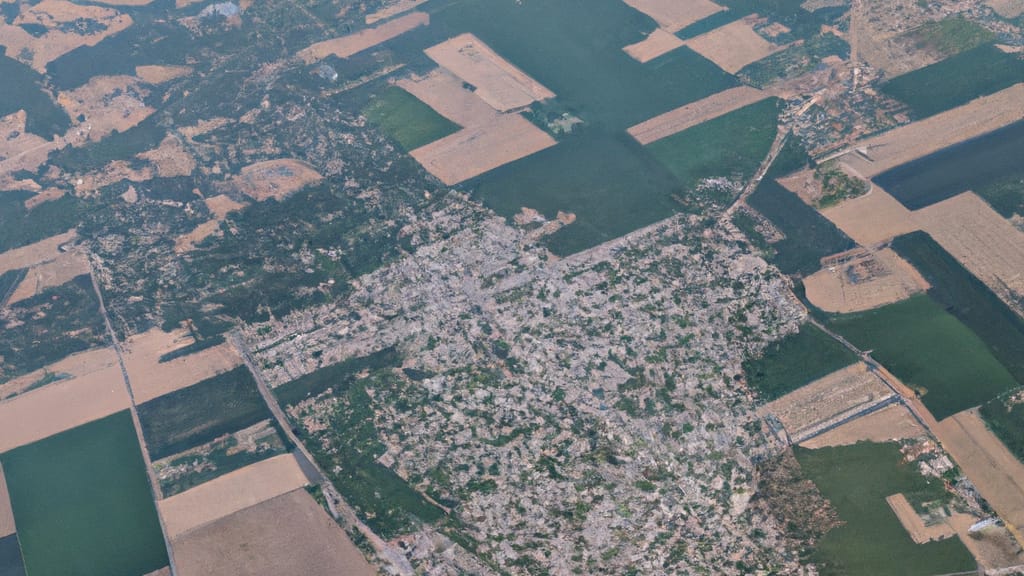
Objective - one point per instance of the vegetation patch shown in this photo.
(856, 480)
(951, 36)
(809, 236)
(930, 351)
(1005, 417)
(956, 80)
(20, 226)
(22, 89)
(196, 415)
(794, 61)
(337, 376)
(82, 502)
(410, 122)
(837, 185)
(967, 298)
(796, 360)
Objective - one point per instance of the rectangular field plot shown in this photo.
(930, 351)
(732, 46)
(674, 15)
(856, 480)
(694, 113)
(353, 44)
(659, 42)
(82, 502)
(11, 563)
(796, 360)
(197, 414)
(408, 120)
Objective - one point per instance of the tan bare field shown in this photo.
(912, 141)
(21, 150)
(694, 113)
(42, 251)
(982, 240)
(674, 15)
(913, 524)
(159, 74)
(732, 46)
(221, 204)
(43, 196)
(289, 535)
(1010, 49)
(187, 242)
(115, 171)
(870, 280)
(495, 80)
(55, 43)
(393, 9)
(828, 400)
(872, 218)
(448, 97)
(353, 44)
(77, 365)
(108, 103)
(473, 151)
(61, 406)
(276, 179)
(6, 513)
(48, 274)
(1009, 9)
(151, 378)
(165, 571)
(894, 422)
(230, 493)
(998, 475)
(657, 43)
(170, 158)
(993, 547)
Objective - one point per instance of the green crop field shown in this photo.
(856, 480)
(410, 122)
(809, 236)
(956, 80)
(796, 360)
(82, 502)
(195, 415)
(968, 299)
(1006, 420)
(930, 351)
(952, 35)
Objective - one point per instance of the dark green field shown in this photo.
(956, 80)
(19, 227)
(929, 350)
(1006, 420)
(796, 360)
(856, 480)
(82, 502)
(968, 299)
(195, 415)
(11, 563)
(409, 121)
(338, 375)
(951, 35)
(809, 236)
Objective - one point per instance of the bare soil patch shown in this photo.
(393, 9)
(115, 171)
(275, 178)
(448, 97)
(352, 44)
(187, 242)
(913, 523)
(694, 113)
(21, 150)
(107, 103)
(42, 251)
(732, 46)
(894, 422)
(230, 493)
(873, 218)
(495, 80)
(289, 535)
(657, 43)
(473, 151)
(881, 40)
(992, 468)
(170, 158)
(828, 400)
(1009, 9)
(61, 406)
(43, 196)
(74, 366)
(221, 204)
(863, 279)
(48, 274)
(982, 240)
(151, 378)
(912, 141)
(159, 74)
(674, 15)
(55, 42)
(6, 513)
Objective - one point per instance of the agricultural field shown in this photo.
(410, 122)
(11, 563)
(808, 236)
(1004, 416)
(82, 502)
(956, 80)
(795, 360)
(860, 280)
(967, 298)
(196, 415)
(857, 479)
(930, 351)
(892, 423)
